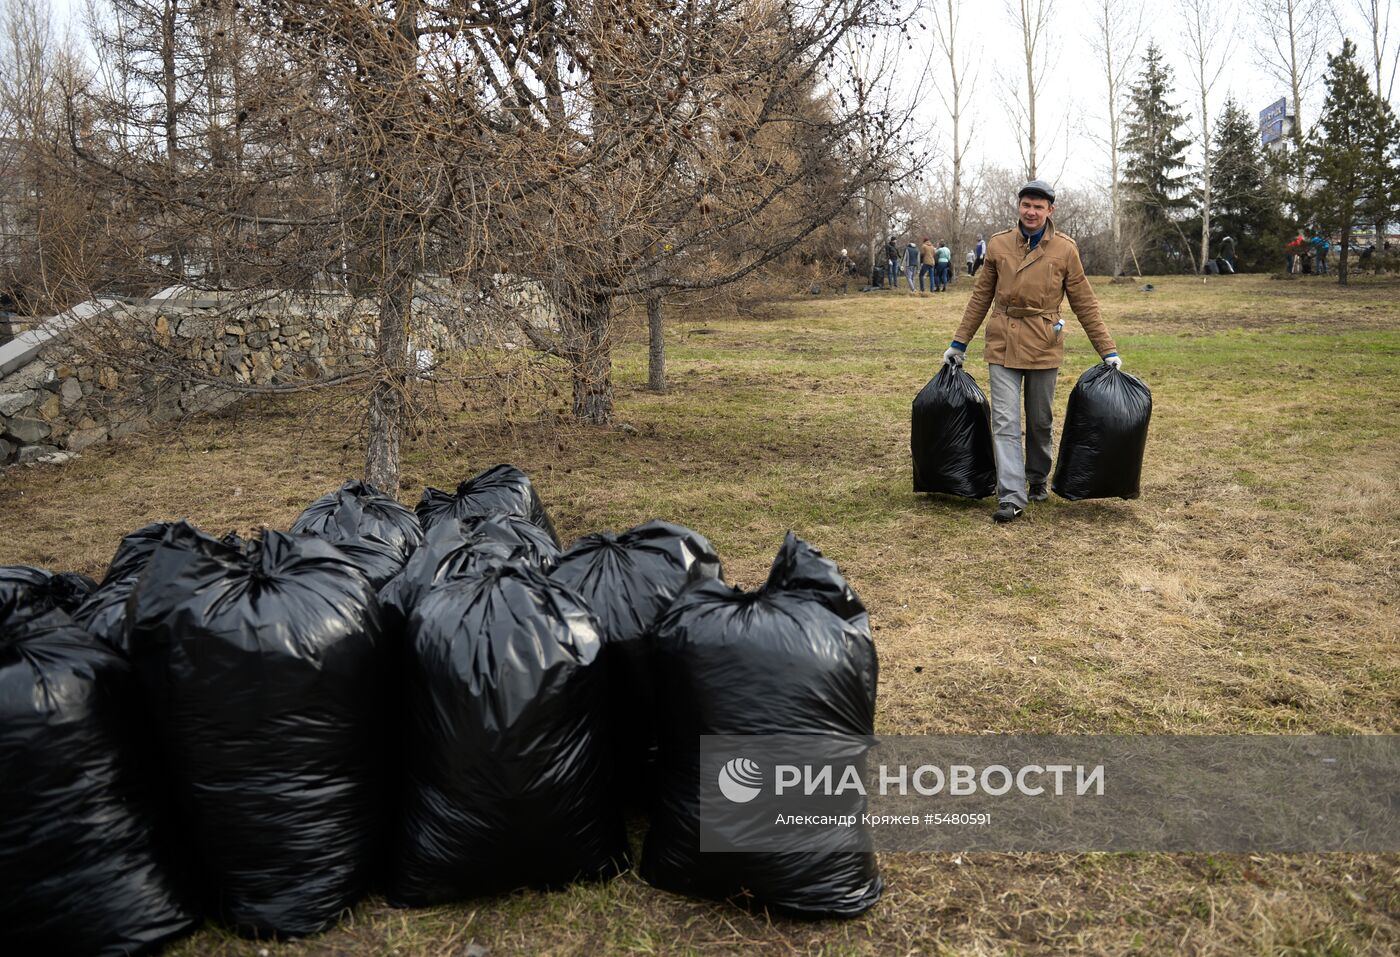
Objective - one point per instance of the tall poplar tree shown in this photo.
(1155, 177)
(1353, 153)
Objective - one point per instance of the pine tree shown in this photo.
(1155, 178)
(1247, 200)
(1353, 154)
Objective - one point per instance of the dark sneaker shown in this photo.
(1038, 493)
(1006, 512)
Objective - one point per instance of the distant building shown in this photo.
(1276, 123)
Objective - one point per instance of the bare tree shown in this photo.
(342, 140)
(46, 234)
(1209, 37)
(1290, 40)
(1385, 55)
(711, 138)
(605, 152)
(1117, 33)
(1032, 19)
(874, 73)
(1375, 16)
(962, 76)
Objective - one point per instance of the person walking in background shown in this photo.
(943, 266)
(927, 251)
(892, 262)
(1031, 269)
(1228, 243)
(911, 263)
(971, 260)
(981, 250)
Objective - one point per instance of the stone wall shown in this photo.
(55, 400)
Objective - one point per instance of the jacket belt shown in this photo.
(1026, 312)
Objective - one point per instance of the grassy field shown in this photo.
(1253, 588)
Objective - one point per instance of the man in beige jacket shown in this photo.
(1030, 269)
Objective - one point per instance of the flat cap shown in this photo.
(1037, 187)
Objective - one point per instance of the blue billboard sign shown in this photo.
(1273, 120)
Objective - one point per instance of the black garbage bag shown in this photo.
(629, 580)
(262, 671)
(79, 872)
(500, 490)
(39, 590)
(795, 657)
(951, 437)
(457, 547)
(1104, 437)
(507, 779)
(135, 550)
(103, 613)
(512, 535)
(359, 509)
(379, 561)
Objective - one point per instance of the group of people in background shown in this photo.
(930, 261)
(1308, 256)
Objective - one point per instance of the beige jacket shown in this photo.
(926, 253)
(1024, 290)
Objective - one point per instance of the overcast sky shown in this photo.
(1074, 107)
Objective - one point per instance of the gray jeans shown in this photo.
(1015, 470)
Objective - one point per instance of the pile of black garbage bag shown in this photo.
(433, 704)
(1101, 446)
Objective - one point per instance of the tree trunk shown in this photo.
(1342, 260)
(656, 345)
(1029, 47)
(591, 360)
(168, 80)
(1114, 197)
(386, 398)
(1117, 215)
(172, 138)
(1295, 85)
(955, 81)
(1205, 177)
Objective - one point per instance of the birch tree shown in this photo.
(1117, 33)
(1385, 55)
(1031, 19)
(1290, 42)
(962, 76)
(1209, 32)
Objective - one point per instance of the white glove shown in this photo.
(1113, 359)
(953, 357)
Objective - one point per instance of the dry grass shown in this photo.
(1253, 588)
